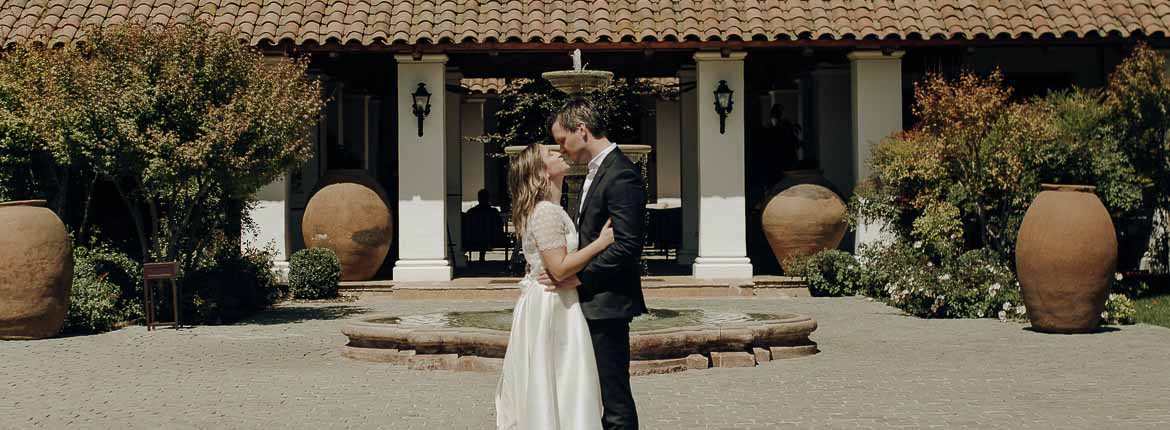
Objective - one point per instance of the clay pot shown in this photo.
(349, 214)
(36, 270)
(1066, 253)
(803, 219)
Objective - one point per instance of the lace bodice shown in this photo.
(548, 227)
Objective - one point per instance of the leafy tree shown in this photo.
(526, 108)
(184, 121)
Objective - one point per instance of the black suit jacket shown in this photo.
(611, 284)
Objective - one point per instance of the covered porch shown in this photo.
(835, 92)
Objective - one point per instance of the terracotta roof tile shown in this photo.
(462, 21)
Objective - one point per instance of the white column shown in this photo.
(454, 161)
(722, 235)
(689, 168)
(877, 112)
(422, 179)
(667, 150)
(270, 216)
(473, 153)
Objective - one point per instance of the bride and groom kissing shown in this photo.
(568, 357)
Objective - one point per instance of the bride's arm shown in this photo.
(561, 265)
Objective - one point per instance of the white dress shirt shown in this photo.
(594, 166)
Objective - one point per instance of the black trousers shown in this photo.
(611, 346)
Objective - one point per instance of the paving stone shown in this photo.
(433, 362)
(479, 364)
(732, 359)
(785, 352)
(762, 355)
(657, 367)
(877, 369)
(697, 362)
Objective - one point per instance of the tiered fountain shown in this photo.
(579, 81)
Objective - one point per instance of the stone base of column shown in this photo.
(280, 268)
(723, 268)
(422, 271)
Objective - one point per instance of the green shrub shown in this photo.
(975, 284)
(830, 273)
(1119, 310)
(314, 273)
(107, 290)
(228, 285)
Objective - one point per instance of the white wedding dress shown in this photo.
(549, 381)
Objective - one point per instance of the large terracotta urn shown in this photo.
(1066, 253)
(36, 271)
(803, 218)
(350, 215)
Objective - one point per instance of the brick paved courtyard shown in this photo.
(877, 369)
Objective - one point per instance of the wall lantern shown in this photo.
(422, 105)
(723, 104)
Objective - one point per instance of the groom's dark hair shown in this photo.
(579, 110)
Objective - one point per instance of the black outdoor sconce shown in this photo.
(723, 104)
(422, 105)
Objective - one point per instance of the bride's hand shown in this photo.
(606, 235)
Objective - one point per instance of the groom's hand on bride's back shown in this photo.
(551, 284)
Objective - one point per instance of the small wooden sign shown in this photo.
(164, 270)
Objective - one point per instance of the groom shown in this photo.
(610, 286)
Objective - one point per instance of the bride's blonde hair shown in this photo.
(528, 184)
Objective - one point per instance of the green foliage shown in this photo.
(976, 284)
(964, 176)
(107, 290)
(1154, 310)
(830, 273)
(227, 284)
(314, 273)
(525, 111)
(182, 120)
(1119, 310)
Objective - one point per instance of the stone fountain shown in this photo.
(662, 341)
(576, 81)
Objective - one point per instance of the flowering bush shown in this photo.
(1119, 309)
(974, 285)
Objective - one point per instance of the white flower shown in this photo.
(1002, 316)
(945, 277)
(980, 314)
(1007, 306)
(1117, 276)
(917, 244)
(1020, 310)
(1105, 315)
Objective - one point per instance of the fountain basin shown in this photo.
(663, 341)
(577, 81)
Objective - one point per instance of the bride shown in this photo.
(549, 379)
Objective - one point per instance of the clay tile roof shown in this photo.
(368, 22)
